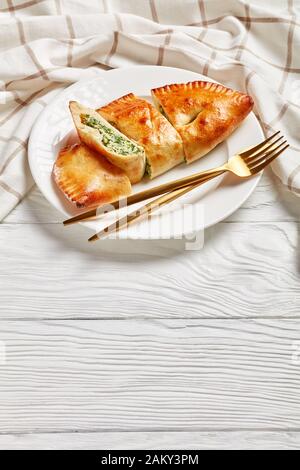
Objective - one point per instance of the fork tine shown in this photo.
(265, 156)
(267, 162)
(251, 158)
(251, 150)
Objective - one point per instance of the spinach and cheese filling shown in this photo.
(110, 139)
(148, 169)
(162, 111)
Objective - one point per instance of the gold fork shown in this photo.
(163, 188)
(247, 163)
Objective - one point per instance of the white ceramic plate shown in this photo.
(201, 208)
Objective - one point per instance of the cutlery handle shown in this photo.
(173, 185)
(148, 208)
(147, 194)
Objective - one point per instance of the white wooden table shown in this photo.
(126, 344)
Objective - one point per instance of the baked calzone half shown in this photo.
(87, 179)
(140, 120)
(98, 134)
(203, 113)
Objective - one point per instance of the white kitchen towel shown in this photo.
(46, 45)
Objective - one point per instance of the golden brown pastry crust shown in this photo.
(140, 121)
(87, 179)
(203, 113)
(133, 165)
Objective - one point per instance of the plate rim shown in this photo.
(34, 131)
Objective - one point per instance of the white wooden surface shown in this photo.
(147, 345)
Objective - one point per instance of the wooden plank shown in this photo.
(244, 270)
(271, 201)
(220, 440)
(171, 375)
